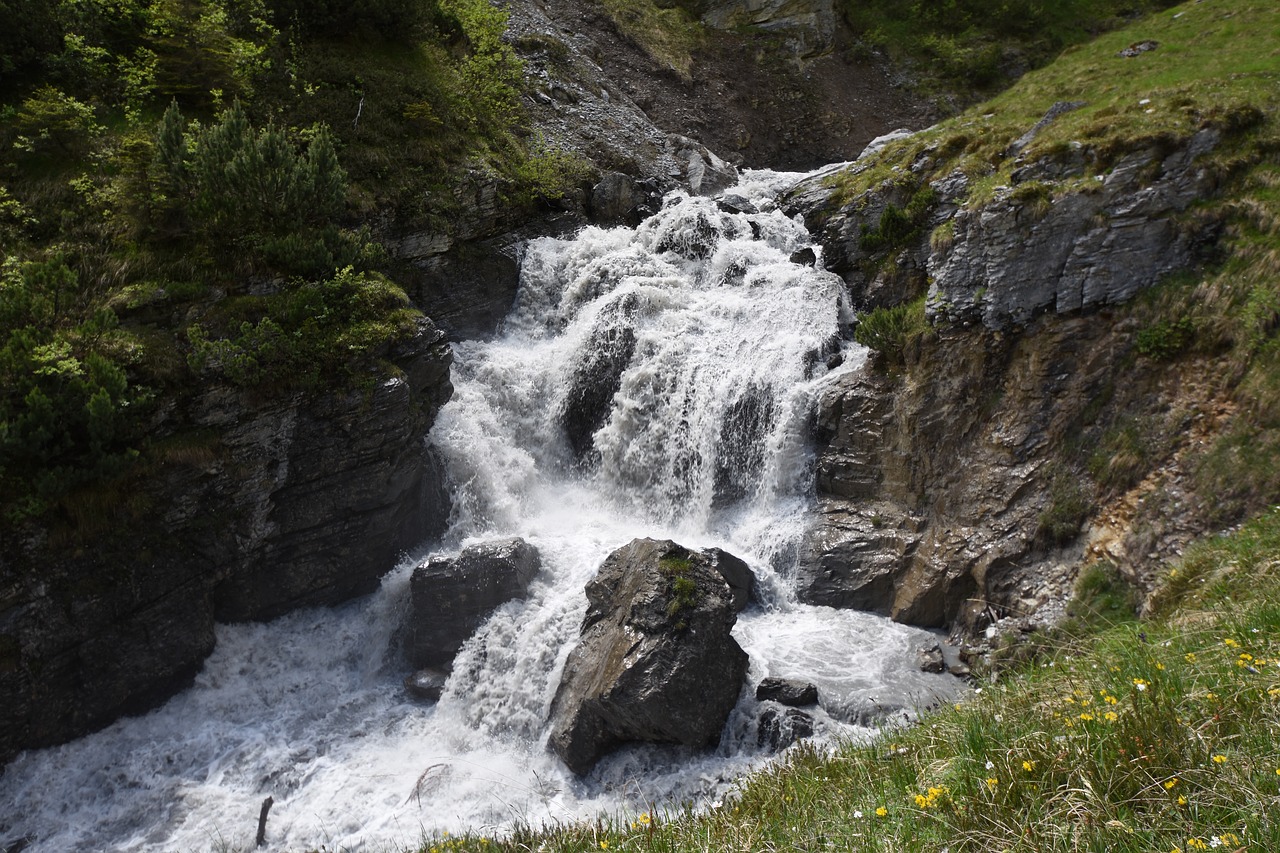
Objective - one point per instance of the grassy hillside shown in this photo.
(183, 191)
(1114, 733)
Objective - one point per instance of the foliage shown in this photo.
(1165, 339)
(898, 227)
(667, 30)
(312, 331)
(891, 331)
(973, 46)
(68, 413)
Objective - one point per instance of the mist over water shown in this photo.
(650, 382)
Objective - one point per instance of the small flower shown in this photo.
(1182, 801)
(1190, 657)
(1219, 759)
(1231, 644)
(991, 765)
(1215, 841)
(1140, 683)
(1169, 785)
(992, 782)
(1160, 667)
(1086, 717)
(1028, 766)
(857, 813)
(1196, 844)
(604, 845)
(1111, 716)
(881, 811)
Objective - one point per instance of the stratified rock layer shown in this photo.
(293, 502)
(656, 662)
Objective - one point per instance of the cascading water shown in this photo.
(650, 382)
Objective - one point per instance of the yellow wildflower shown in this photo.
(992, 782)
(1168, 786)
(1028, 766)
(1111, 716)
(1191, 657)
(881, 811)
(1219, 759)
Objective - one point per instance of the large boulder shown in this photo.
(452, 596)
(656, 662)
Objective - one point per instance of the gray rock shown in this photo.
(777, 729)
(701, 170)
(452, 596)
(597, 376)
(787, 691)
(809, 25)
(656, 663)
(615, 199)
(1008, 261)
(930, 659)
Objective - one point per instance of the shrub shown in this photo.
(890, 331)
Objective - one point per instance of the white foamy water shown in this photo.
(683, 357)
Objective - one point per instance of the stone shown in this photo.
(597, 375)
(656, 661)
(736, 573)
(809, 26)
(702, 171)
(930, 659)
(787, 691)
(805, 257)
(777, 729)
(452, 596)
(426, 684)
(615, 198)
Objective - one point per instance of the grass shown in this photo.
(665, 31)
(1127, 735)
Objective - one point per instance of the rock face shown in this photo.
(297, 502)
(808, 25)
(656, 661)
(948, 494)
(787, 691)
(452, 596)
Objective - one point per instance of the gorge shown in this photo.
(920, 394)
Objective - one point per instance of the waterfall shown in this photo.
(655, 381)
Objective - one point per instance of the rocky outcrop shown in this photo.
(452, 596)
(787, 691)
(656, 662)
(1032, 249)
(809, 26)
(953, 489)
(267, 506)
(778, 728)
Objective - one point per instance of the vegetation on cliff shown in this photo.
(182, 189)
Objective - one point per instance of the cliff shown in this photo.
(285, 502)
(1058, 377)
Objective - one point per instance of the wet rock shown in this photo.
(297, 500)
(874, 714)
(735, 204)
(426, 684)
(740, 453)
(777, 728)
(452, 596)
(736, 573)
(930, 659)
(787, 691)
(597, 376)
(805, 257)
(656, 662)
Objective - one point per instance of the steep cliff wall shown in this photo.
(300, 500)
(1055, 382)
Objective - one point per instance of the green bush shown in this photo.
(889, 331)
(1165, 339)
(68, 414)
